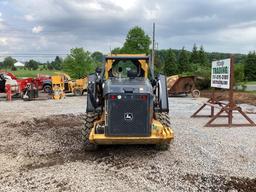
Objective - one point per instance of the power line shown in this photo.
(32, 54)
(43, 56)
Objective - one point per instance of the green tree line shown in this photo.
(198, 62)
(184, 62)
(77, 64)
(80, 62)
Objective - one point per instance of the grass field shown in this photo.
(27, 73)
(250, 92)
(251, 83)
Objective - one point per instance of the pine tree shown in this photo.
(202, 57)
(158, 66)
(250, 66)
(170, 65)
(184, 65)
(194, 55)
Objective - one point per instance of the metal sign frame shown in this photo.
(229, 108)
(220, 72)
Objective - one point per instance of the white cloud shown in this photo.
(0, 14)
(37, 29)
(125, 4)
(2, 25)
(152, 14)
(244, 24)
(239, 35)
(3, 40)
(98, 24)
(9, 43)
(86, 6)
(205, 18)
(29, 17)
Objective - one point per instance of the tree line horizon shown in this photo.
(80, 62)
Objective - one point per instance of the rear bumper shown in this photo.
(166, 135)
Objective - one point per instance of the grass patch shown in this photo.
(33, 73)
(251, 83)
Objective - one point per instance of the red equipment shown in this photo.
(38, 81)
(20, 86)
(9, 92)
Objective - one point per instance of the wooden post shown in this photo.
(231, 92)
(213, 102)
(8, 92)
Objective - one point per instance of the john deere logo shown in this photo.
(128, 116)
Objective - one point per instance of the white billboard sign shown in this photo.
(220, 77)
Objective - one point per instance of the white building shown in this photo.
(19, 64)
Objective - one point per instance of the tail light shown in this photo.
(113, 97)
(144, 97)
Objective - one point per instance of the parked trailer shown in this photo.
(182, 85)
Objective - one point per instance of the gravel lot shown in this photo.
(41, 150)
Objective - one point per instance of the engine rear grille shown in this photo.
(128, 115)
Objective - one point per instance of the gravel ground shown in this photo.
(18, 110)
(41, 150)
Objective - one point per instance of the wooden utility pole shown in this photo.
(153, 51)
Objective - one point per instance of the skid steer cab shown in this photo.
(126, 105)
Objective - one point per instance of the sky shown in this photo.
(40, 29)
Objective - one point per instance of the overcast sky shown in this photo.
(55, 26)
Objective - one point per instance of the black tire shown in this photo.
(88, 125)
(164, 119)
(78, 92)
(25, 98)
(47, 89)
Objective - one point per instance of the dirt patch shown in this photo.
(221, 183)
(40, 140)
(46, 154)
(41, 147)
(240, 97)
(56, 140)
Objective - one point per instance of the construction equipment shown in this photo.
(182, 85)
(126, 104)
(58, 86)
(30, 92)
(26, 88)
(77, 87)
